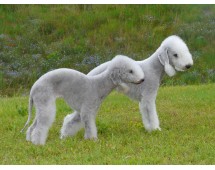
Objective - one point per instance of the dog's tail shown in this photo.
(30, 106)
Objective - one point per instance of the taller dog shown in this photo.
(172, 55)
(83, 93)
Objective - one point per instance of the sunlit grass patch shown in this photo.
(186, 116)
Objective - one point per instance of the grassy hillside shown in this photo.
(37, 38)
(187, 117)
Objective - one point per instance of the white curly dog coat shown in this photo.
(172, 55)
(83, 93)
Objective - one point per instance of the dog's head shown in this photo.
(175, 55)
(125, 70)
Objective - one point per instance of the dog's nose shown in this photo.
(188, 66)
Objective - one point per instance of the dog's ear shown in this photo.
(163, 57)
(164, 60)
(115, 76)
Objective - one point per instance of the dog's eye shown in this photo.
(131, 71)
(175, 55)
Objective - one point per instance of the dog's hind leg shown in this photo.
(45, 115)
(71, 125)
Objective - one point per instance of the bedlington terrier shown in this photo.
(172, 55)
(83, 93)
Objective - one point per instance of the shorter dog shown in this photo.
(83, 93)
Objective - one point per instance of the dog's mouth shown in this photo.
(179, 69)
(139, 82)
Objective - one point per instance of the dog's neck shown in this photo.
(156, 65)
(104, 84)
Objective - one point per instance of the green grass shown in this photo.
(187, 117)
(37, 38)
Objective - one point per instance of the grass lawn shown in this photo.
(187, 117)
